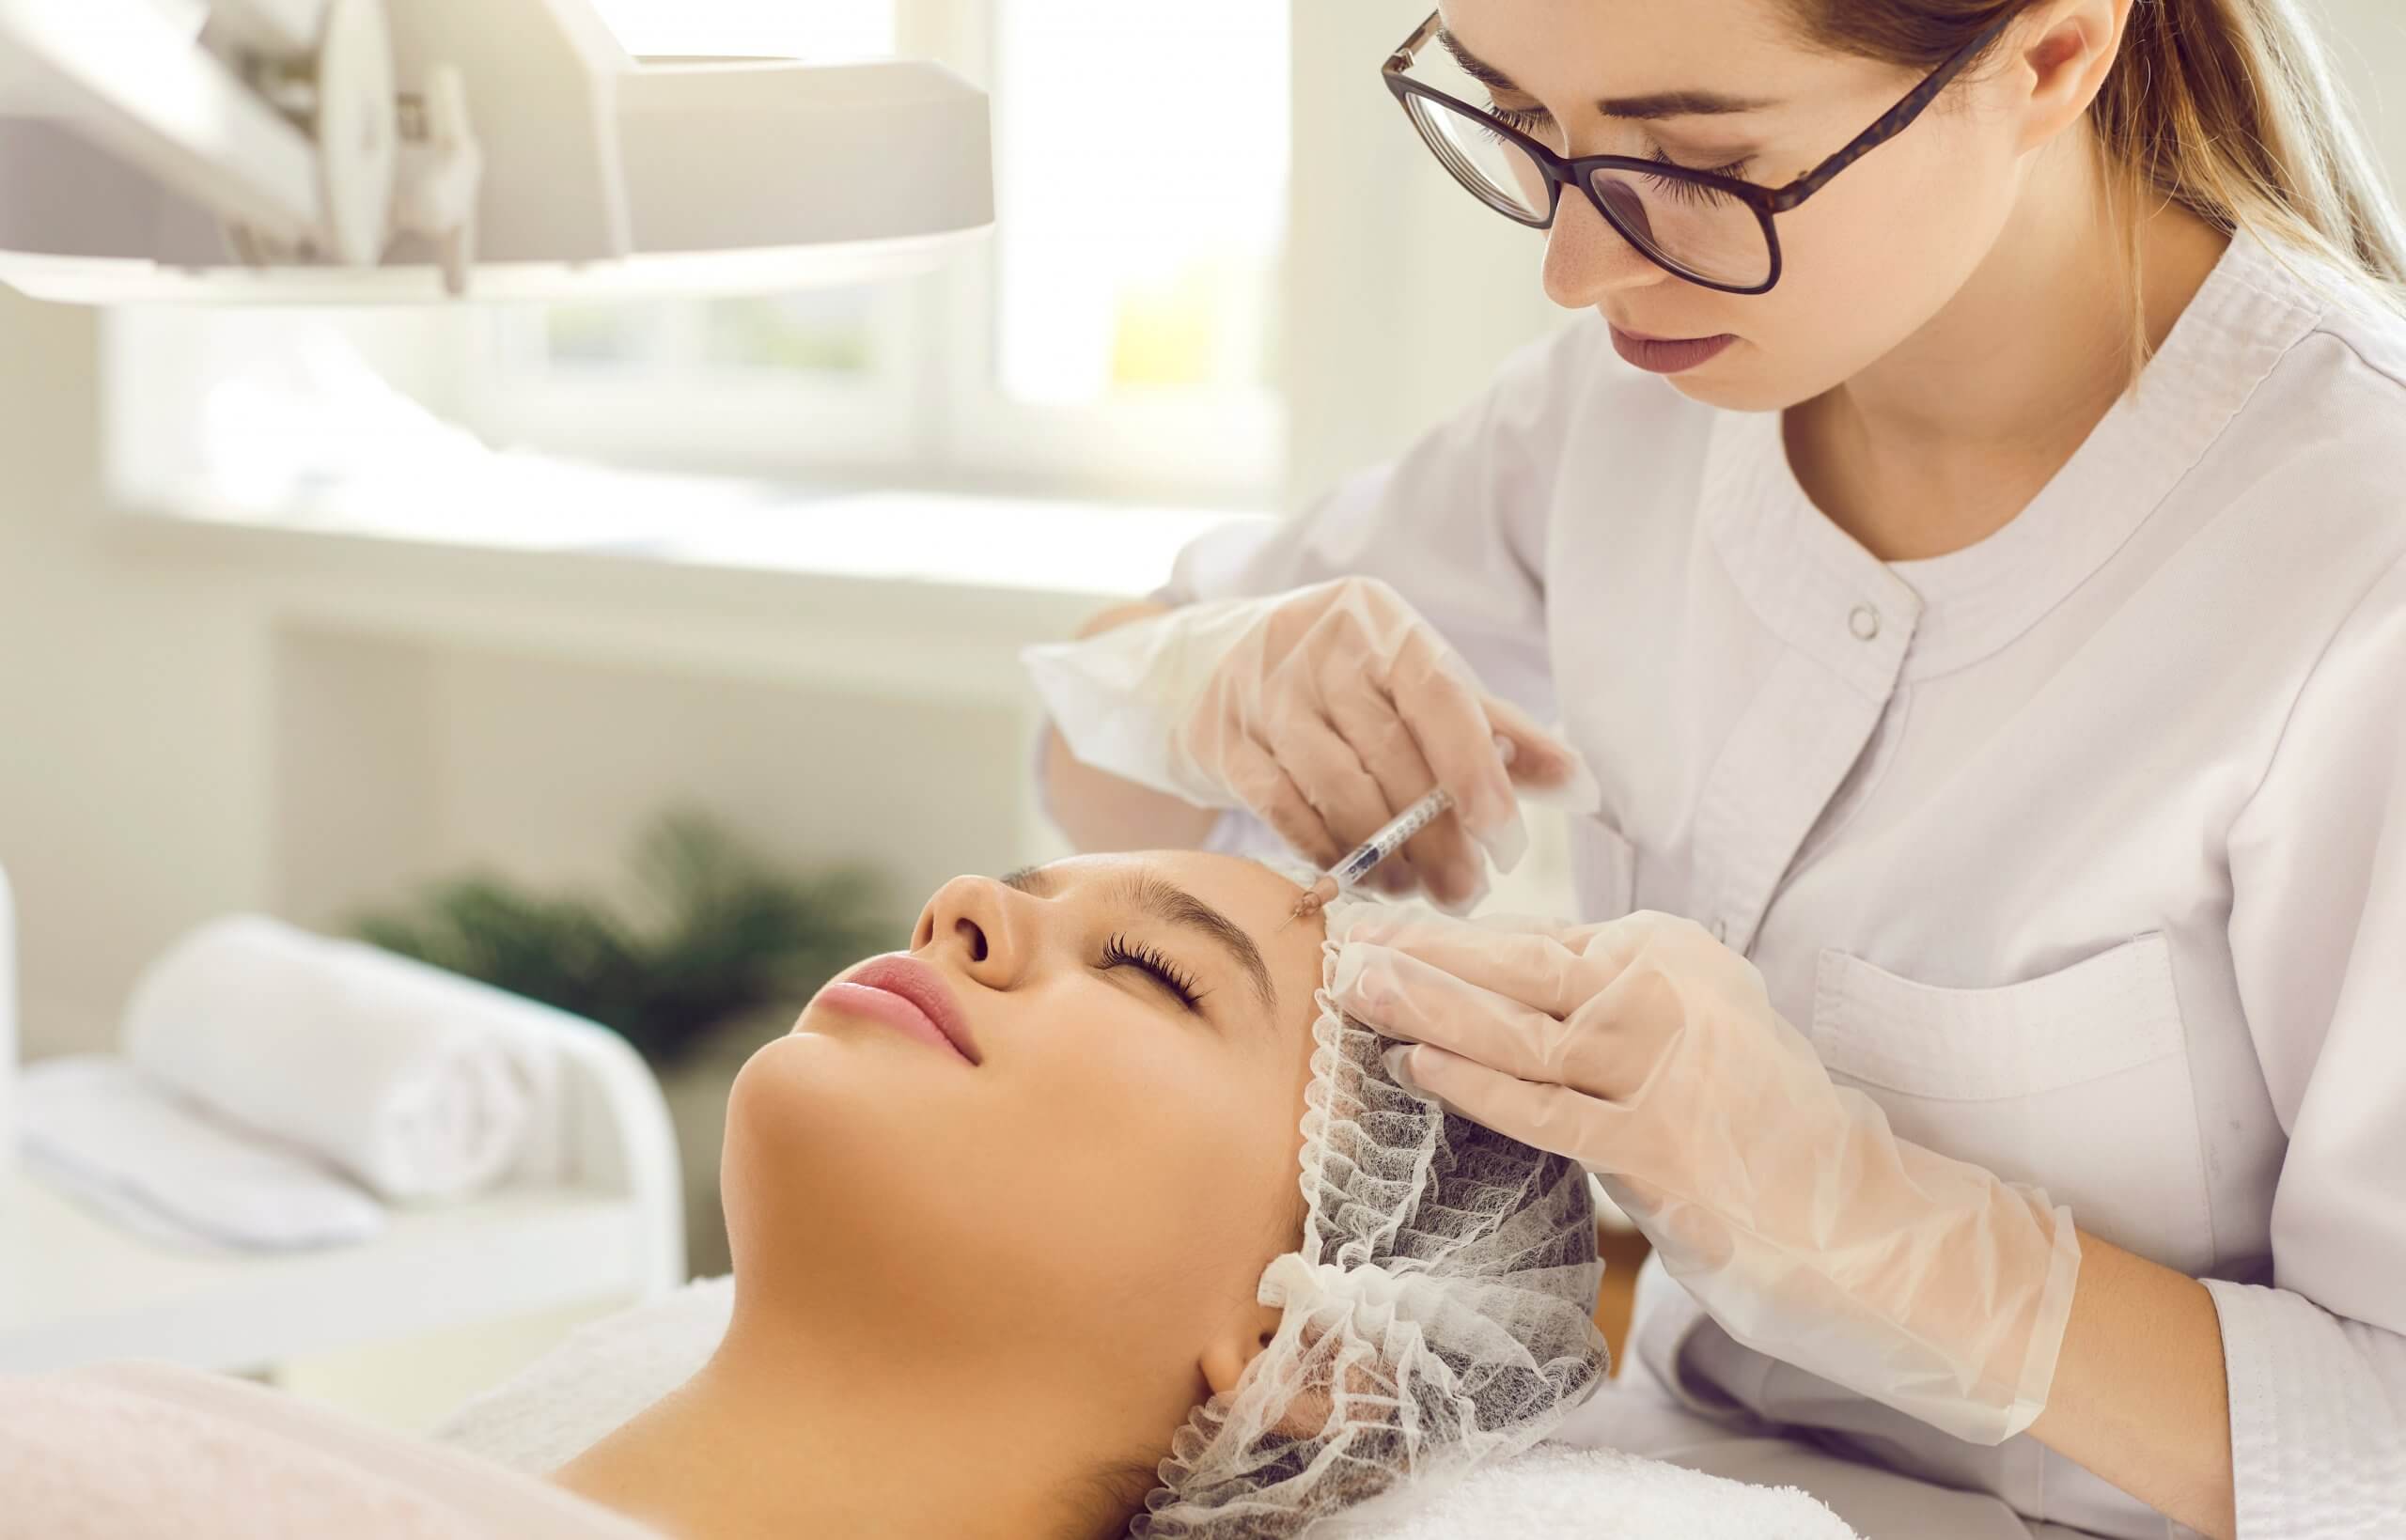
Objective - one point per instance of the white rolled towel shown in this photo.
(421, 1084)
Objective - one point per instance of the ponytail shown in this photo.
(2230, 108)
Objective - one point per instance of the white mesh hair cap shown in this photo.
(1437, 1317)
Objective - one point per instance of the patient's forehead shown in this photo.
(1247, 892)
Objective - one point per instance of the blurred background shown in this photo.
(366, 619)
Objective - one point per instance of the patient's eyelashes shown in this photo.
(1119, 953)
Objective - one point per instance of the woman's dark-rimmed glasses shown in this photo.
(1701, 226)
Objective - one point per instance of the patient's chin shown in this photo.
(845, 1090)
(835, 1156)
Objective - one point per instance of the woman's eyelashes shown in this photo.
(1692, 192)
(1119, 952)
(1532, 121)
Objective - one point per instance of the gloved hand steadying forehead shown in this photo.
(1325, 712)
(1649, 1053)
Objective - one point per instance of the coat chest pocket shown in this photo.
(2077, 1081)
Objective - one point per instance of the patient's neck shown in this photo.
(805, 1432)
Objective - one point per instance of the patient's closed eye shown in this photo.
(1119, 953)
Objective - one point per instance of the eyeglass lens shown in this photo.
(1688, 227)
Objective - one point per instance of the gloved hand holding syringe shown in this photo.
(1328, 713)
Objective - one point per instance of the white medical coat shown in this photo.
(2082, 849)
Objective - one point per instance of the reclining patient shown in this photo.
(1019, 1250)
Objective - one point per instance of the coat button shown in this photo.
(1865, 622)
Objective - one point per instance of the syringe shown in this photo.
(1363, 859)
(1357, 865)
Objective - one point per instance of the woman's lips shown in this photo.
(1664, 355)
(906, 994)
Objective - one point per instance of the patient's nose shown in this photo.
(970, 925)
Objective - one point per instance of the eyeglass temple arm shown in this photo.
(1401, 58)
(1895, 121)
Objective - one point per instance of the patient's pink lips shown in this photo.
(906, 994)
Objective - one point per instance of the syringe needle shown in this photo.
(1315, 898)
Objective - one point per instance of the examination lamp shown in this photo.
(342, 151)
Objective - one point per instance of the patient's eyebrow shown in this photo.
(1035, 882)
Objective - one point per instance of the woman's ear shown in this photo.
(1239, 1340)
(2069, 55)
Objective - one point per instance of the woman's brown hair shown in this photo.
(2227, 107)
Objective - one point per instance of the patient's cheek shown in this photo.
(1150, 1176)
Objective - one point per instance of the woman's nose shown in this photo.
(974, 924)
(1587, 259)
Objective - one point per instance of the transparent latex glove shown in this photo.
(1325, 712)
(1648, 1051)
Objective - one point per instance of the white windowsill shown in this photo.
(923, 594)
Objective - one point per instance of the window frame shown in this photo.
(931, 413)
(738, 422)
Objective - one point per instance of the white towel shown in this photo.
(608, 1371)
(420, 1083)
(1602, 1494)
(162, 1167)
(570, 1399)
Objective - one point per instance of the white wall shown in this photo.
(2367, 42)
(402, 760)
(134, 750)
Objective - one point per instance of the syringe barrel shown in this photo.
(1366, 857)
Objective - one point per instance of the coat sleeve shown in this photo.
(2316, 1357)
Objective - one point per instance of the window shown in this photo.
(1115, 338)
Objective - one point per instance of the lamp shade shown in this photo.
(602, 175)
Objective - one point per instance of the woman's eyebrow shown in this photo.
(1474, 67)
(1681, 104)
(1648, 108)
